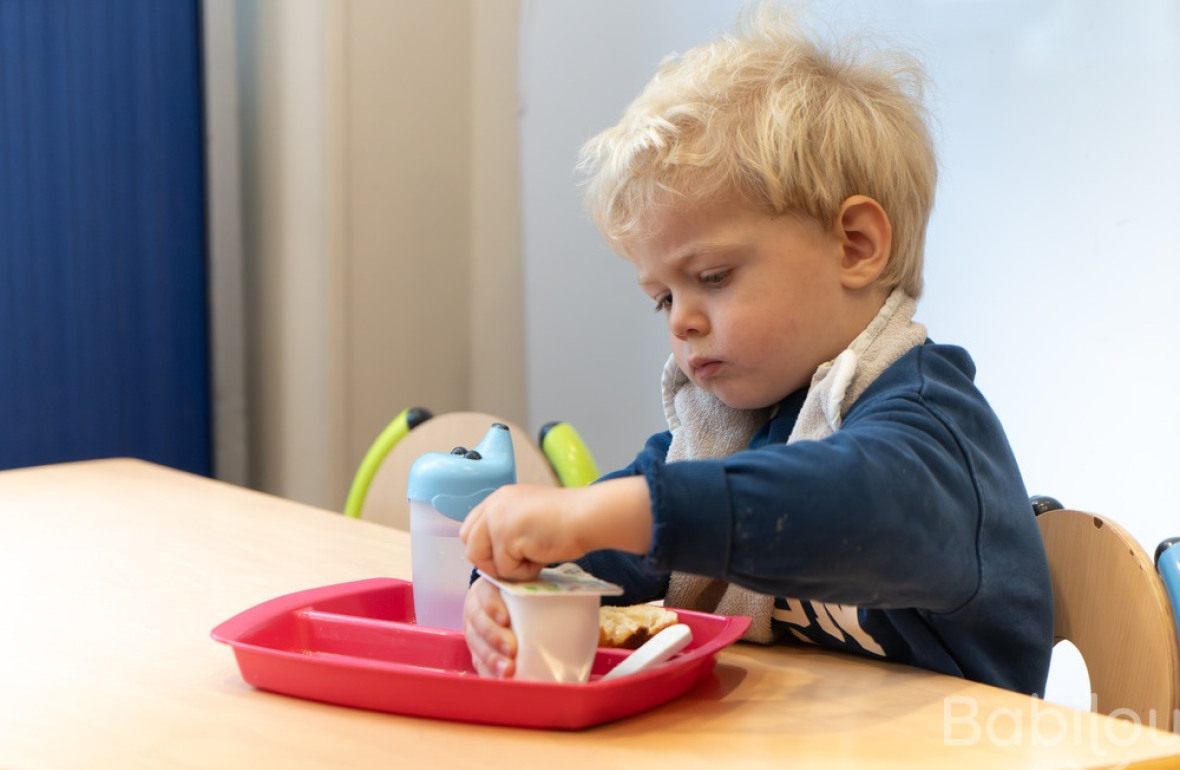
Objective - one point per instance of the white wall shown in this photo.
(1051, 253)
(593, 347)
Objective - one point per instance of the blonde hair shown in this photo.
(789, 126)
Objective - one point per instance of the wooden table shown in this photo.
(112, 574)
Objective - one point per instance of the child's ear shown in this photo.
(866, 236)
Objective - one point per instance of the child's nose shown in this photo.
(687, 319)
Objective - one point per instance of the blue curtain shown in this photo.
(103, 310)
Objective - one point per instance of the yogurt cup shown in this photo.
(555, 619)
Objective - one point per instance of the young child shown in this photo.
(828, 470)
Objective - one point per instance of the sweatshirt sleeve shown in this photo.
(883, 513)
(641, 580)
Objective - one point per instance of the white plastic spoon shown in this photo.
(654, 651)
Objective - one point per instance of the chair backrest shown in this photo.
(386, 501)
(1110, 603)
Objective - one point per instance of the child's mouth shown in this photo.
(705, 368)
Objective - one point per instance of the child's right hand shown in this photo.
(488, 631)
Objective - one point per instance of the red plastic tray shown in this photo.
(355, 644)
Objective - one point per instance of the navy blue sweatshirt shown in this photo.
(906, 535)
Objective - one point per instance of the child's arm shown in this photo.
(519, 528)
(883, 513)
(641, 582)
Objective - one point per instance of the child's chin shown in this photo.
(738, 400)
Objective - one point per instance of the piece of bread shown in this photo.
(629, 627)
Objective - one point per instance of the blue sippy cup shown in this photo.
(443, 488)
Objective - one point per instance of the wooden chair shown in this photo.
(379, 494)
(1110, 603)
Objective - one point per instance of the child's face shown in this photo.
(753, 302)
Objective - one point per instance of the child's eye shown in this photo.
(715, 279)
(663, 302)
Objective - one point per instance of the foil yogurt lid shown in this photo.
(562, 580)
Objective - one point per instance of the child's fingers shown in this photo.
(470, 521)
(491, 642)
(485, 658)
(490, 603)
(512, 566)
(478, 545)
